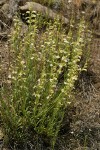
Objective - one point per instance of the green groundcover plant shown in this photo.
(37, 98)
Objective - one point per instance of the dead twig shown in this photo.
(3, 35)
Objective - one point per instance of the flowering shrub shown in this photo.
(37, 99)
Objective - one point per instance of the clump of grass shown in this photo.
(37, 99)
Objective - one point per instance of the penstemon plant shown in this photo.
(38, 98)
